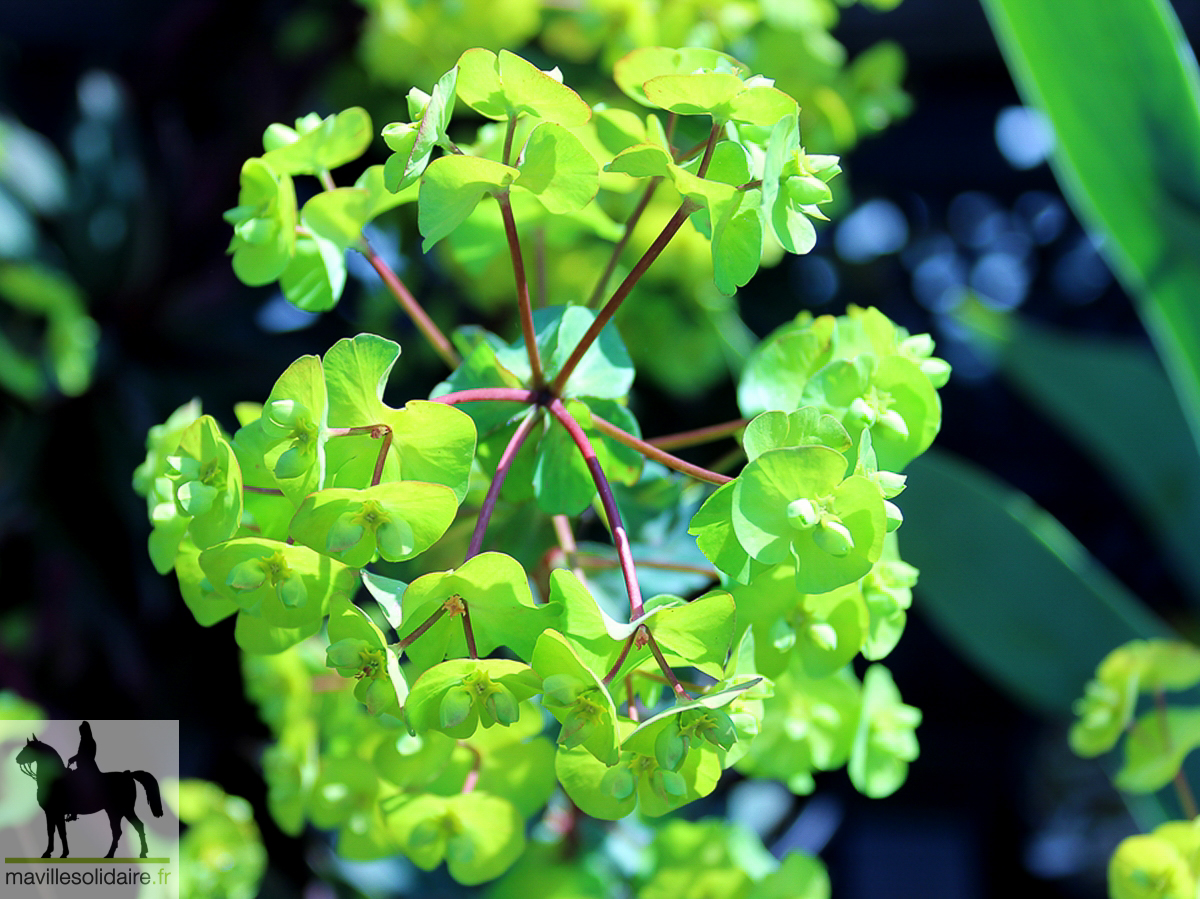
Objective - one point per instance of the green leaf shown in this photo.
(702, 94)
(799, 876)
(294, 424)
(762, 105)
(737, 244)
(634, 69)
(586, 703)
(1145, 866)
(807, 426)
(476, 679)
(1126, 116)
(413, 145)
(779, 368)
(507, 85)
(1100, 392)
(435, 443)
(1014, 612)
(1156, 746)
(497, 594)
(884, 743)
(356, 371)
(699, 632)
(208, 468)
(264, 224)
(766, 488)
(618, 129)
(451, 188)
(398, 520)
(257, 637)
(558, 170)
(316, 275)
(337, 215)
(642, 161)
(379, 198)
(329, 143)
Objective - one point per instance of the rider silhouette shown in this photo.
(87, 773)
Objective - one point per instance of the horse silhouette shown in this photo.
(62, 792)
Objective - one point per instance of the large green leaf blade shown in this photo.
(1008, 586)
(1125, 106)
(1115, 400)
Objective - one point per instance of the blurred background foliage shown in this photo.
(1056, 522)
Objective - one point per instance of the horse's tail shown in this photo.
(150, 785)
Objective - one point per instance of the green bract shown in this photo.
(575, 696)
(493, 589)
(317, 144)
(500, 651)
(505, 85)
(264, 224)
(457, 696)
(207, 482)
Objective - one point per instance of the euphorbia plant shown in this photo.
(407, 703)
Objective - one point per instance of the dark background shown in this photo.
(995, 803)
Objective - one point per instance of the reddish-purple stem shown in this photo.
(620, 537)
(488, 394)
(612, 672)
(523, 303)
(425, 625)
(408, 302)
(467, 632)
(630, 224)
(699, 435)
(680, 692)
(493, 494)
(651, 451)
(377, 475)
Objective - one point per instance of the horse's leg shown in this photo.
(49, 835)
(62, 835)
(141, 830)
(114, 821)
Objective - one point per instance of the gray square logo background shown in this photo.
(121, 745)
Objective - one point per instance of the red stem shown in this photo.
(653, 452)
(626, 287)
(612, 672)
(487, 394)
(630, 224)
(408, 302)
(493, 494)
(699, 435)
(680, 692)
(425, 625)
(620, 537)
(523, 302)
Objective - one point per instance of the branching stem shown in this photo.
(488, 395)
(620, 537)
(612, 672)
(523, 303)
(699, 435)
(626, 287)
(619, 248)
(502, 468)
(651, 451)
(408, 302)
(425, 625)
(680, 693)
